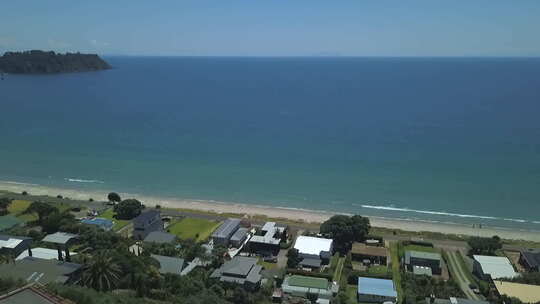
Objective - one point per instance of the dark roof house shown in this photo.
(424, 259)
(160, 237)
(240, 270)
(169, 264)
(530, 259)
(63, 241)
(225, 231)
(147, 222)
(41, 271)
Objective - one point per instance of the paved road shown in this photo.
(459, 274)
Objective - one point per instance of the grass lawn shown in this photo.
(420, 248)
(378, 270)
(339, 268)
(267, 265)
(193, 228)
(17, 207)
(352, 291)
(396, 273)
(118, 224)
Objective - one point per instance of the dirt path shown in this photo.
(459, 274)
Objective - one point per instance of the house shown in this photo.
(63, 241)
(375, 255)
(530, 259)
(524, 292)
(238, 238)
(314, 248)
(453, 300)
(170, 265)
(243, 271)
(371, 290)
(147, 222)
(160, 237)
(15, 245)
(32, 294)
(311, 264)
(301, 286)
(102, 223)
(225, 231)
(42, 271)
(493, 267)
(424, 259)
(267, 239)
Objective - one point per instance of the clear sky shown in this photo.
(275, 27)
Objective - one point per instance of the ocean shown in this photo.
(438, 139)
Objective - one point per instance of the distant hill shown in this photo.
(40, 62)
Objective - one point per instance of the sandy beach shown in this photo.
(277, 212)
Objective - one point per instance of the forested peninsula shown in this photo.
(41, 62)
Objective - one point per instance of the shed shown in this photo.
(373, 290)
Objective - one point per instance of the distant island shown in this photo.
(41, 62)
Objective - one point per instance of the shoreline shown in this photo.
(293, 214)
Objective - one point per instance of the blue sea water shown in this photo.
(447, 139)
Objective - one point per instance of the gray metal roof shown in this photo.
(532, 257)
(311, 263)
(421, 255)
(239, 235)
(169, 264)
(39, 270)
(239, 270)
(146, 217)
(60, 238)
(160, 237)
(226, 229)
(25, 296)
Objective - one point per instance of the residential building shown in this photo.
(41, 271)
(314, 248)
(371, 290)
(453, 300)
(225, 231)
(43, 253)
(32, 294)
(243, 271)
(170, 265)
(160, 237)
(267, 239)
(493, 267)
(146, 222)
(425, 259)
(301, 286)
(63, 241)
(530, 259)
(524, 292)
(311, 264)
(238, 238)
(15, 245)
(369, 254)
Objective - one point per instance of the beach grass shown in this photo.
(193, 228)
(396, 272)
(420, 248)
(110, 215)
(338, 269)
(18, 207)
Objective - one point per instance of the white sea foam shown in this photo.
(18, 183)
(78, 180)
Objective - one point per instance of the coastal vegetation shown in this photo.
(484, 246)
(40, 62)
(345, 230)
(128, 209)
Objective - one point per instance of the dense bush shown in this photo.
(418, 287)
(484, 246)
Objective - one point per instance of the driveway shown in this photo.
(460, 275)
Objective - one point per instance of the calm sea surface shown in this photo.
(454, 140)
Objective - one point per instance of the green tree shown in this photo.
(312, 297)
(292, 258)
(345, 230)
(114, 197)
(41, 209)
(101, 273)
(484, 246)
(128, 209)
(4, 204)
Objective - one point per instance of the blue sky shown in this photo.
(275, 27)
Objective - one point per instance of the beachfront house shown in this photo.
(160, 237)
(62, 241)
(169, 265)
(147, 222)
(314, 248)
(371, 290)
(493, 267)
(530, 259)
(266, 241)
(35, 270)
(418, 262)
(369, 254)
(243, 271)
(301, 286)
(239, 237)
(15, 245)
(225, 231)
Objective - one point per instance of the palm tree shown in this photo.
(101, 273)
